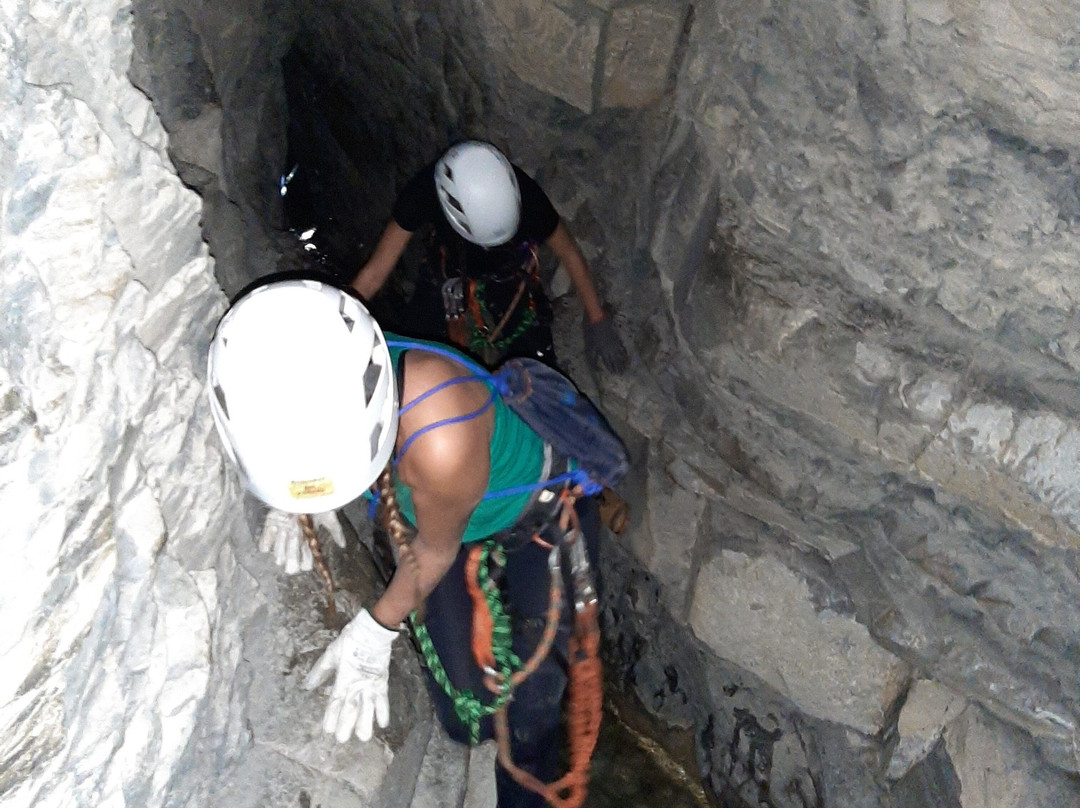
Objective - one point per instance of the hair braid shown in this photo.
(398, 530)
(307, 527)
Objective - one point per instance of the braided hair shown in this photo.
(398, 530)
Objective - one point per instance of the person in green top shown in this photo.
(436, 441)
(516, 455)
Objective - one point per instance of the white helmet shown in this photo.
(302, 391)
(479, 193)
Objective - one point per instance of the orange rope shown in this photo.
(474, 306)
(530, 273)
(585, 696)
(494, 335)
(583, 721)
(483, 625)
(551, 628)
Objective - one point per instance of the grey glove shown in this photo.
(602, 342)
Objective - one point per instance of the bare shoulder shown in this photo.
(424, 370)
(450, 428)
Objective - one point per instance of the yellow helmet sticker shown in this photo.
(309, 489)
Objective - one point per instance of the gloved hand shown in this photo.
(283, 536)
(361, 657)
(602, 341)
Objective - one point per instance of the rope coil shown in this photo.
(585, 700)
(583, 720)
(491, 641)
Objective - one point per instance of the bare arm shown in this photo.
(448, 470)
(373, 274)
(569, 255)
(441, 523)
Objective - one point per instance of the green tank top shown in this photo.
(517, 458)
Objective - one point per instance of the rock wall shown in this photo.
(152, 656)
(839, 238)
(864, 230)
(116, 507)
(212, 72)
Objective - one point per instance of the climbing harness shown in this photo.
(486, 333)
(484, 338)
(471, 322)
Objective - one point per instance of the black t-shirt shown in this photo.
(418, 204)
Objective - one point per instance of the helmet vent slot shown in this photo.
(376, 439)
(220, 395)
(454, 203)
(371, 381)
(349, 321)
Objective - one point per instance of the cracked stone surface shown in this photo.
(840, 241)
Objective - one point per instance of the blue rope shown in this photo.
(498, 382)
(577, 477)
(436, 389)
(449, 354)
(528, 488)
(455, 420)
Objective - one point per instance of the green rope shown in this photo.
(467, 706)
(477, 342)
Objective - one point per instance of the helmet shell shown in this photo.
(302, 392)
(479, 193)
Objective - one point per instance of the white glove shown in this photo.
(361, 657)
(283, 536)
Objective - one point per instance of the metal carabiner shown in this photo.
(584, 591)
(453, 298)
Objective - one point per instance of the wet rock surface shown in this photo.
(634, 771)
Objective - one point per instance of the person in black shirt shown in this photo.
(482, 289)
